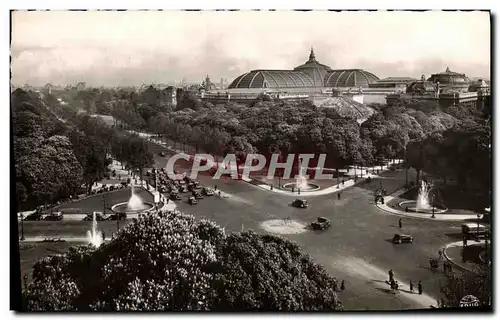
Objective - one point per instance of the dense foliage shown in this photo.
(58, 149)
(170, 261)
(458, 285)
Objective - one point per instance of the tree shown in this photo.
(458, 285)
(170, 261)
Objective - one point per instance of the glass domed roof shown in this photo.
(272, 79)
(314, 69)
(350, 78)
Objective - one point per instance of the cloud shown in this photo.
(131, 48)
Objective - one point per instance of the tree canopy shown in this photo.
(170, 261)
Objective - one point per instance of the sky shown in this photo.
(129, 48)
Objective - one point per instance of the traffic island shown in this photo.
(466, 258)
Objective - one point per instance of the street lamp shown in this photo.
(433, 205)
(22, 227)
(477, 230)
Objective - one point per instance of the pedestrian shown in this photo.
(342, 285)
(271, 188)
(293, 189)
(342, 181)
(215, 187)
(103, 236)
(420, 290)
(465, 241)
(338, 195)
(440, 253)
(298, 190)
(391, 276)
(219, 194)
(411, 286)
(400, 223)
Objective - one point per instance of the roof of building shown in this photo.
(314, 69)
(272, 79)
(449, 77)
(349, 78)
(397, 79)
(421, 87)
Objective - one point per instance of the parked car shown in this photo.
(117, 216)
(175, 196)
(162, 154)
(300, 203)
(184, 189)
(321, 223)
(99, 216)
(35, 216)
(197, 195)
(402, 238)
(192, 200)
(54, 216)
(208, 192)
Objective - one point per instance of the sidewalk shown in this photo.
(452, 253)
(428, 216)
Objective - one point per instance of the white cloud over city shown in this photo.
(135, 47)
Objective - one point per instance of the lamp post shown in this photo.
(433, 206)
(477, 230)
(22, 227)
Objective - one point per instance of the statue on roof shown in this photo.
(447, 69)
(312, 56)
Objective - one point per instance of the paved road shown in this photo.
(356, 248)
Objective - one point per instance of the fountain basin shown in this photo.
(124, 208)
(303, 186)
(412, 207)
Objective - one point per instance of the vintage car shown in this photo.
(117, 216)
(208, 192)
(162, 154)
(175, 196)
(300, 203)
(321, 223)
(197, 195)
(35, 216)
(402, 238)
(192, 200)
(99, 216)
(54, 216)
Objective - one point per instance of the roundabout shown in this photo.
(411, 206)
(307, 186)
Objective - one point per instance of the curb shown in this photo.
(453, 262)
(404, 214)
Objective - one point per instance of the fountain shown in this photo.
(423, 197)
(301, 182)
(135, 202)
(422, 204)
(134, 205)
(94, 236)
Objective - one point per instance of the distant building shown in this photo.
(312, 81)
(397, 83)
(447, 88)
(170, 94)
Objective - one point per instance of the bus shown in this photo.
(473, 230)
